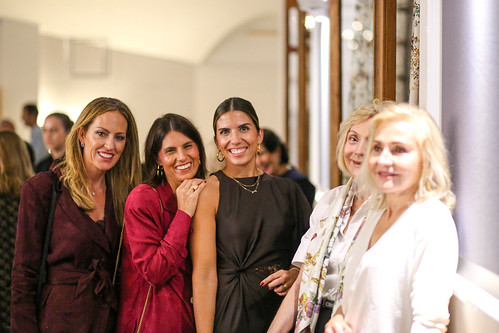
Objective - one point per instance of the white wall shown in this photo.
(150, 87)
(19, 55)
(247, 63)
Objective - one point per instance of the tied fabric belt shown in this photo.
(96, 276)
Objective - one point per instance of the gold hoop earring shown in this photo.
(218, 156)
(159, 170)
(258, 149)
(428, 185)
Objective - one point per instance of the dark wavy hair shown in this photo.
(159, 129)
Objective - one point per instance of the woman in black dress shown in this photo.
(247, 226)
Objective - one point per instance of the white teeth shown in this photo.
(105, 155)
(237, 150)
(183, 166)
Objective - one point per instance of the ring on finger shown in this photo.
(194, 187)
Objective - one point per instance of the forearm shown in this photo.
(285, 318)
(157, 256)
(204, 301)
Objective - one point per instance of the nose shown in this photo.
(181, 155)
(234, 137)
(361, 149)
(385, 158)
(110, 144)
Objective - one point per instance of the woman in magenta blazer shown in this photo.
(156, 286)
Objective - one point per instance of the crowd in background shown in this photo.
(96, 241)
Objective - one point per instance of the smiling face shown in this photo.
(355, 146)
(104, 141)
(237, 138)
(54, 135)
(395, 162)
(179, 157)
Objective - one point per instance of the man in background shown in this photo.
(29, 116)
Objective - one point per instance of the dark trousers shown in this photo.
(324, 316)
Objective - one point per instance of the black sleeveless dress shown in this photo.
(257, 234)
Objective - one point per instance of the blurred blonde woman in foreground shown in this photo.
(399, 273)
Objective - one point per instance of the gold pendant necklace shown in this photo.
(247, 187)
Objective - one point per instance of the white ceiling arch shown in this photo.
(179, 30)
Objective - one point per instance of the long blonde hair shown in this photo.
(435, 180)
(15, 164)
(123, 177)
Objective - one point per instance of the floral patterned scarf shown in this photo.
(317, 261)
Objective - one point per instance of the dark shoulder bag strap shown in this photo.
(42, 275)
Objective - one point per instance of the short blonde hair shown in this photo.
(15, 164)
(123, 177)
(435, 180)
(363, 113)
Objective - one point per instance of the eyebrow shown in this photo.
(392, 143)
(107, 131)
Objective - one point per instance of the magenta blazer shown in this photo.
(155, 254)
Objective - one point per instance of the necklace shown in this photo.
(247, 187)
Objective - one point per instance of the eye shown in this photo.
(244, 128)
(353, 139)
(120, 137)
(223, 131)
(377, 148)
(101, 133)
(400, 150)
(188, 145)
(169, 150)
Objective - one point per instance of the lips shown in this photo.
(104, 155)
(237, 151)
(183, 167)
(386, 174)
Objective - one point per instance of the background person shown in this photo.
(8, 125)
(15, 169)
(55, 130)
(273, 158)
(29, 116)
(399, 274)
(335, 221)
(248, 225)
(156, 264)
(101, 166)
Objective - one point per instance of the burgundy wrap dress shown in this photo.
(155, 257)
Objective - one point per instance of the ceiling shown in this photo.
(179, 30)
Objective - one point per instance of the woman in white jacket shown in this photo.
(399, 273)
